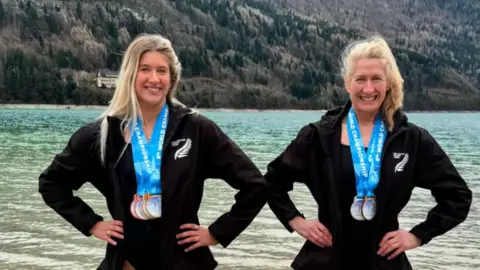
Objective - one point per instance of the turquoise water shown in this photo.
(32, 236)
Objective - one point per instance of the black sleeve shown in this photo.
(289, 167)
(69, 170)
(225, 160)
(436, 172)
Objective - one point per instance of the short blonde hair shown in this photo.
(377, 48)
(124, 103)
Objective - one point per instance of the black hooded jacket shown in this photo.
(411, 158)
(206, 152)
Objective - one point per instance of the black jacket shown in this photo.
(212, 155)
(411, 158)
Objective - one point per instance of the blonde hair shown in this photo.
(377, 48)
(124, 103)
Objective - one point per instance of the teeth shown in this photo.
(153, 88)
(368, 98)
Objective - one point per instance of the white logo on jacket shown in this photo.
(184, 150)
(401, 164)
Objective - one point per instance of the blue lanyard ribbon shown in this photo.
(147, 158)
(366, 163)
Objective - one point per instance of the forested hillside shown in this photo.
(240, 54)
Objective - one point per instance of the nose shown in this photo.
(154, 77)
(368, 87)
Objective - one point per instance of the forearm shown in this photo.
(451, 210)
(436, 172)
(249, 202)
(73, 209)
(284, 209)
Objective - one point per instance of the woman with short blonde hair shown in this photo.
(361, 163)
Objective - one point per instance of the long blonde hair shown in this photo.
(124, 103)
(377, 48)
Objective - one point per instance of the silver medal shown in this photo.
(139, 211)
(154, 206)
(356, 209)
(369, 208)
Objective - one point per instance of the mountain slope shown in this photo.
(242, 54)
(445, 30)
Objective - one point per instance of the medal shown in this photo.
(147, 158)
(369, 208)
(139, 211)
(136, 208)
(154, 206)
(366, 165)
(356, 208)
(144, 206)
(132, 209)
(133, 206)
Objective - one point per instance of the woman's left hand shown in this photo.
(196, 234)
(400, 241)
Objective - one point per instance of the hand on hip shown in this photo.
(197, 235)
(106, 230)
(312, 230)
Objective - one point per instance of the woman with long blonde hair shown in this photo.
(149, 156)
(361, 162)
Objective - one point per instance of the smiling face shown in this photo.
(367, 85)
(153, 79)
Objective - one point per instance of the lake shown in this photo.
(33, 237)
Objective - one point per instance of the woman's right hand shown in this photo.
(312, 230)
(105, 230)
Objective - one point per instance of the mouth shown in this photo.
(368, 98)
(153, 89)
